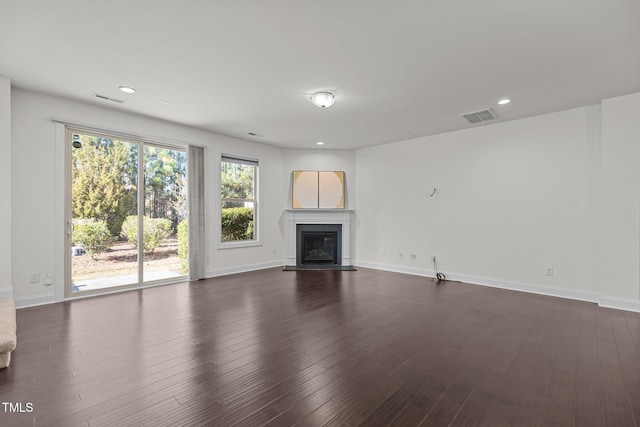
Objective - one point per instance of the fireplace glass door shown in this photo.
(320, 248)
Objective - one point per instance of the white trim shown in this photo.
(317, 210)
(34, 300)
(485, 281)
(6, 293)
(317, 216)
(59, 213)
(149, 139)
(220, 245)
(243, 268)
(527, 287)
(239, 244)
(619, 303)
(594, 297)
(396, 268)
(141, 164)
(119, 289)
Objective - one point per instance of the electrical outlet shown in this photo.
(48, 279)
(275, 251)
(401, 254)
(414, 257)
(383, 253)
(34, 277)
(433, 258)
(548, 270)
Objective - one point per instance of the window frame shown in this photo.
(255, 162)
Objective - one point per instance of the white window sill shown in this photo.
(233, 245)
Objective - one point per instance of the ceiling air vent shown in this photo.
(108, 98)
(480, 116)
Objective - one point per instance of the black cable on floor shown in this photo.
(440, 277)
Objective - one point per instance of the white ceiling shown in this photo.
(400, 69)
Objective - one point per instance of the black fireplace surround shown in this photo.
(318, 244)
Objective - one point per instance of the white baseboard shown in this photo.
(6, 293)
(243, 268)
(527, 287)
(619, 303)
(396, 268)
(33, 300)
(602, 301)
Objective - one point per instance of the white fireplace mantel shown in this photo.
(317, 216)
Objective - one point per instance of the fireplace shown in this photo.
(318, 244)
(317, 220)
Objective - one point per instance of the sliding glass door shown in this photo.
(165, 213)
(126, 211)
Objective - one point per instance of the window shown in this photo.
(239, 204)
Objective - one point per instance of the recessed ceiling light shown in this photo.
(127, 89)
(319, 143)
(504, 101)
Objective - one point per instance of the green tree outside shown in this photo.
(165, 184)
(103, 180)
(105, 184)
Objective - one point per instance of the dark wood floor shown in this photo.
(324, 348)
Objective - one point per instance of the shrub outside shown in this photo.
(155, 230)
(237, 224)
(183, 245)
(93, 235)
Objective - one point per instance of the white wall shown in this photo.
(6, 290)
(513, 198)
(35, 196)
(620, 198)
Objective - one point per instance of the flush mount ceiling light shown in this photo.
(323, 99)
(319, 143)
(504, 101)
(127, 89)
